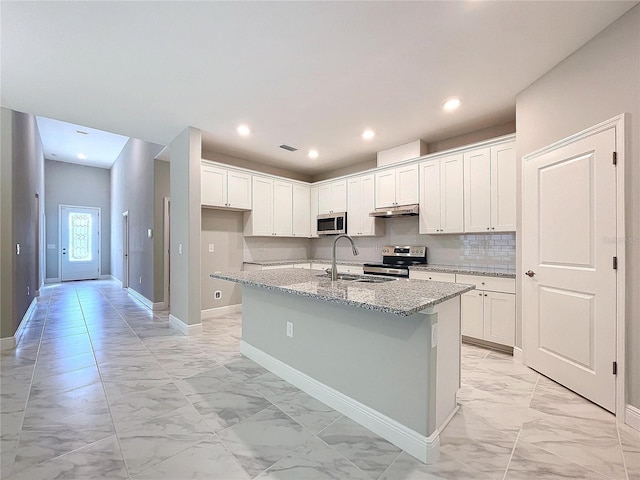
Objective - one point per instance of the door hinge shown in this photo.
(615, 263)
(615, 158)
(615, 368)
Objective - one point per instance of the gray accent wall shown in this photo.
(599, 81)
(132, 190)
(224, 230)
(22, 177)
(78, 185)
(185, 152)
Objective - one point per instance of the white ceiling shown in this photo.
(62, 142)
(309, 74)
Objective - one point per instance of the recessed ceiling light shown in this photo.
(368, 134)
(451, 104)
(243, 130)
(80, 132)
(313, 153)
(82, 156)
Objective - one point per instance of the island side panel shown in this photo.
(448, 364)
(381, 360)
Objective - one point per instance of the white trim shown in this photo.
(425, 449)
(106, 277)
(220, 311)
(9, 343)
(158, 306)
(632, 417)
(619, 124)
(179, 325)
(141, 298)
(48, 281)
(166, 242)
(517, 355)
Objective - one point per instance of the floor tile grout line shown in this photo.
(513, 451)
(624, 460)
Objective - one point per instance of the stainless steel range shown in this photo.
(397, 260)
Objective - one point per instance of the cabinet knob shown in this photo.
(487, 228)
(530, 273)
(493, 228)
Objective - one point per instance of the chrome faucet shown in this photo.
(334, 269)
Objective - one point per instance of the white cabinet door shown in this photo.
(213, 186)
(282, 208)
(477, 190)
(407, 185)
(238, 190)
(369, 225)
(262, 211)
(339, 196)
(430, 197)
(332, 197)
(301, 211)
(354, 206)
(472, 313)
(386, 188)
(313, 221)
(503, 188)
(499, 317)
(451, 194)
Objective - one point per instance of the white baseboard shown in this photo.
(159, 306)
(632, 417)
(517, 355)
(220, 311)
(179, 325)
(9, 343)
(47, 281)
(141, 298)
(106, 277)
(425, 449)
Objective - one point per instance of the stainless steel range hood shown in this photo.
(400, 211)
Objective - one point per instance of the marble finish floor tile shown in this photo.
(206, 460)
(261, 440)
(314, 460)
(363, 448)
(159, 397)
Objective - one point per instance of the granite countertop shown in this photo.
(313, 260)
(487, 271)
(400, 297)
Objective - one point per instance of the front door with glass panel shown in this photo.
(79, 243)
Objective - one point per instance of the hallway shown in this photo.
(100, 387)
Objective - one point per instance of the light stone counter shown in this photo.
(397, 297)
(313, 260)
(504, 272)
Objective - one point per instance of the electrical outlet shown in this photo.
(217, 295)
(179, 249)
(28, 290)
(140, 280)
(211, 248)
(375, 247)
(290, 329)
(17, 249)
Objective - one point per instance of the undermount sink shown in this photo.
(351, 277)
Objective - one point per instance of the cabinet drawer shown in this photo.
(493, 284)
(302, 265)
(434, 276)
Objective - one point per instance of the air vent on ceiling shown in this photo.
(288, 147)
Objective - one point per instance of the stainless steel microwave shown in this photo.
(332, 223)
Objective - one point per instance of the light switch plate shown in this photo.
(211, 248)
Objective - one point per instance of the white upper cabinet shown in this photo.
(361, 202)
(260, 221)
(313, 220)
(489, 189)
(282, 208)
(301, 224)
(332, 197)
(397, 186)
(441, 195)
(225, 188)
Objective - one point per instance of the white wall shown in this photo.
(599, 81)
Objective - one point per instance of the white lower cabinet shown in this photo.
(489, 314)
(433, 276)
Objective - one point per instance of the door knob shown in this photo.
(530, 273)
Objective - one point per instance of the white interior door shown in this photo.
(80, 241)
(569, 294)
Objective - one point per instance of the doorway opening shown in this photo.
(80, 243)
(125, 249)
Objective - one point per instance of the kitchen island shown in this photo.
(386, 354)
